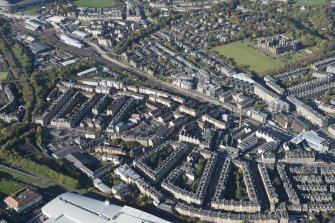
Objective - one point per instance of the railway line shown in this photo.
(97, 54)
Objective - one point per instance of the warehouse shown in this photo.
(70, 207)
(38, 47)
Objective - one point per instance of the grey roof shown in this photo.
(38, 47)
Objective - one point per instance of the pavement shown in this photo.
(101, 56)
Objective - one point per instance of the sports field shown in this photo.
(310, 2)
(95, 3)
(3, 75)
(248, 57)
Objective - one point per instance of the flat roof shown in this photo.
(309, 136)
(22, 197)
(39, 47)
(73, 208)
(68, 62)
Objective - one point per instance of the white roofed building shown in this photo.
(71, 41)
(80, 34)
(313, 140)
(73, 208)
(56, 19)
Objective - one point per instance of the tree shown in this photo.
(199, 167)
(276, 181)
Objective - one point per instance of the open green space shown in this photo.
(31, 9)
(94, 3)
(291, 58)
(199, 169)
(310, 2)
(9, 186)
(236, 189)
(278, 185)
(22, 178)
(85, 23)
(3, 75)
(158, 157)
(20, 54)
(248, 57)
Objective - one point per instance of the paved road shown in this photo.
(101, 56)
(155, 82)
(159, 83)
(36, 219)
(162, 84)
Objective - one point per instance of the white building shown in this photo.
(101, 186)
(73, 208)
(313, 140)
(80, 34)
(274, 102)
(256, 115)
(90, 71)
(71, 41)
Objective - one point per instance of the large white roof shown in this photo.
(55, 19)
(243, 77)
(74, 208)
(309, 136)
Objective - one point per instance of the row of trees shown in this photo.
(13, 51)
(312, 25)
(33, 93)
(44, 81)
(12, 136)
(158, 157)
(38, 169)
(135, 37)
(25, 91)
(5, 51)
(240, 191)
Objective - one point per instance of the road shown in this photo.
(160, 84)
(36, 219)
(153, 81)
(99, 55)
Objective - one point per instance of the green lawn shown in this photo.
(236, 189)
(291, 58)
(3, 75)
(20, 54)
(8, 186)
(85, 23)
(248, 57)
(310, 2)
(95, 3)
(20, 177)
